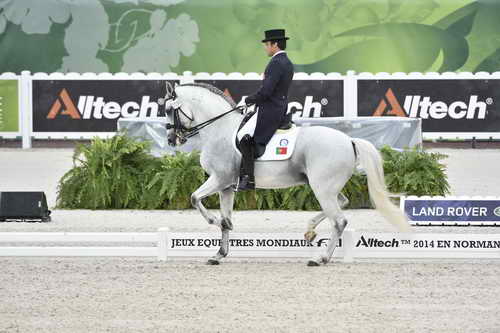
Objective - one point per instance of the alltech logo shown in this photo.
(308, 109)
(416, 106)
(374, 242)
(94, 107)
(306, 98)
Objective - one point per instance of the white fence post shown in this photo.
(163, 240)
(348, 244)
(187, 77)
(26, 108)
(350, 95)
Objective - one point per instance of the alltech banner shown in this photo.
(93, 105)
(306, 98)
(9, 106)
(443, 105)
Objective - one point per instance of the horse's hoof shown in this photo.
(213, 262)
(310, 235)
(312, 263)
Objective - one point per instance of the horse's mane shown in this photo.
(212, 89)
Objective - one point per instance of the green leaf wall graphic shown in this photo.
(225, 35)
(394, 47)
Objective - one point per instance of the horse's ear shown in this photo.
(170, 89)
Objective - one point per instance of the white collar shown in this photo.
(281, 51)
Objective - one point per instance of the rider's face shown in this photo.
(270, 49)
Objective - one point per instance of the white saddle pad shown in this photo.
(281, 145)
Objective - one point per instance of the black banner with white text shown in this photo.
(93, 105)
(306, 98)
(443, 105)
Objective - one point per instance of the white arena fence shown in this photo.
(451, 105)
(168, 245)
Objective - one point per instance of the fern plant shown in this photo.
(120, 173)
(415, 172)
(171, 185)
(106, 174)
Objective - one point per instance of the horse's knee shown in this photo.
(194, 200)
(226, 224)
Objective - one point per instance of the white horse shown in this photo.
(323, 157)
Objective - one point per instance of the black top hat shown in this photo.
(275, 34)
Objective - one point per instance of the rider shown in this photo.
(272, 100)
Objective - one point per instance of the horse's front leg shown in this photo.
(226, 209)
(211, 186)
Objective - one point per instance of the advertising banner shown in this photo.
(9, 106)
(306, 98)
(93, 105)
(246, 244)
(354, 244)
(425, 245)
(443, 105)
(450, 210)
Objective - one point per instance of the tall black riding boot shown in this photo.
(247, 180)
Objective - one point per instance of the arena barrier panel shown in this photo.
(452, 210)
(168, 245)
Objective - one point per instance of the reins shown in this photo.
(196, 129)
(192, 131)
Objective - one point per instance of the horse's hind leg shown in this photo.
(343, 201)
(226, 209)
(339, 227)
(327, 195)
(316, 220)
(312, 224)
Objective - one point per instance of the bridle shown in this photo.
(182, 132)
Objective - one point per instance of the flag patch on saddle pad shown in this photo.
(281, 150)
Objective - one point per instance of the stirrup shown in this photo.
(245, 183)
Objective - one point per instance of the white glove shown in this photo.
(172, 104)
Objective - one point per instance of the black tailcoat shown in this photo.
(272, 97)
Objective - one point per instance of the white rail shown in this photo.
(354, 245)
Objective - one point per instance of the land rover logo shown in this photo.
(497, 211)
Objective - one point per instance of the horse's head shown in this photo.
(179, 116)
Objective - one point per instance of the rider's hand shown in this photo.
(250, 100)
(172, 104)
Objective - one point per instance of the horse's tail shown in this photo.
(371, 161)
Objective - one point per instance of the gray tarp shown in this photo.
(153, 129)
(399, 133)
